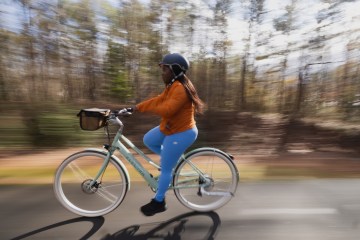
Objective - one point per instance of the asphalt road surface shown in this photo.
(273, 210)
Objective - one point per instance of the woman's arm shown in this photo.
(166, 107)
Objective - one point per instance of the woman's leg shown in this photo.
(173, 147)
(153, 139)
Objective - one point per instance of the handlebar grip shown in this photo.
(123, 112)
(130, 109)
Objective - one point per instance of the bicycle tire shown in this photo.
(215, 190)
(74, 175)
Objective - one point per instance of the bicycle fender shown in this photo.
(209, 149)
(127, 175)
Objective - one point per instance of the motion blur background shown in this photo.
(276, 75)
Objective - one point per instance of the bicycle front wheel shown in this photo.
(206, 180)
(75, 189)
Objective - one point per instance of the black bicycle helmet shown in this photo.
(177, 60)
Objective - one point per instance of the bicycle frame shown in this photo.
(118, 145)
(134, 162)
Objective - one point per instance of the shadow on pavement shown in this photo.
(97, 223)
(193, 225)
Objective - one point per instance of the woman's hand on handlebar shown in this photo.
(125, 111)
(131, 109)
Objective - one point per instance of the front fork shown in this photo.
(94, 182)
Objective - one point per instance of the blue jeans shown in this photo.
(170, 148)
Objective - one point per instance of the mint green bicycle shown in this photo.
(94, 182)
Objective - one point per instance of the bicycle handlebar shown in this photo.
(125, 112)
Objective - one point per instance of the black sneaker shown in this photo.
(153, 207)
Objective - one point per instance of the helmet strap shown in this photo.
(175, 76)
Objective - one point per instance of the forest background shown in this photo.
(293, 59)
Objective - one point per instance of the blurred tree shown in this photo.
(116, 72)
(47, 31)
(64, 46)
(85, 33)
(134, 31)
(218, 79)
(248, 59)
(157, 33)
(153, 48)
(28, 41)
(285, 24)
(318, 87)
(350, 84)
(3, 83)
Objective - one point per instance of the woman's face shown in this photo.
(166, 73)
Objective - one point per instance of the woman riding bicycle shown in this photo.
(176, 105)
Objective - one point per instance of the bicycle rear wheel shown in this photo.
(74, 176)
(206, 180)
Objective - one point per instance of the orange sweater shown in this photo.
(175, 108)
